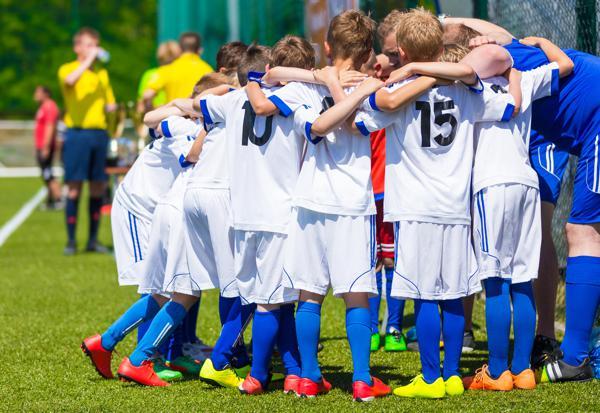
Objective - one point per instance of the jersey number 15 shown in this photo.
(439, 119)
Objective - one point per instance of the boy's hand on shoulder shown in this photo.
(370, 85)
(400, 74)
(532, 41)
(480, 41)
(328, 75)
(351, 78)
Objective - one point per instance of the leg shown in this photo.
(374, 304)
(453, 327)
(497, 316)
(428, 335)
(395, 306)
(97, 189)
(232, 328)
(468, 304)
(191, 323)
(524, 325)
(358, 332)
(308, 330)
(287, 341)
(71, 209)
(265, 329)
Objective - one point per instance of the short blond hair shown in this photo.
(293, 51)
(454, 53)
(209, 81)
(167, 52)
(350, 36)
(419, 34)
(388, 25)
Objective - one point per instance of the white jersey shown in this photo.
(502, 154)
(265, 155)
(212, 168)
(336, 174)
(156, 168)
(429, 151)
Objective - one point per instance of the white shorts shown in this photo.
(331, 251)
(167, 259)
(209, 240)
(258, 258)
(130, 240)
(434, 261)
(508, 232)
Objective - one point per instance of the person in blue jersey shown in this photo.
(568, 123)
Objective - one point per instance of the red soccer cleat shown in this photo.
(292, 384)
(362, 392)
(100, 357)
(143, 374)
(309, 388)
(251, 386)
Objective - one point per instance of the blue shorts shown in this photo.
(84, 155)
(549, 160)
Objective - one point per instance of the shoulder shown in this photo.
(68, 67)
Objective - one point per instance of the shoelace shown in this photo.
(480, 373)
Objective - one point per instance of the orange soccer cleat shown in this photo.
(309, 388)
(525, 380)
(100, 357)
(143, 374)
(362, 392)
(483, 381)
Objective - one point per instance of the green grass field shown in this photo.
(48, 303)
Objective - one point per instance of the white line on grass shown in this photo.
(15, 222)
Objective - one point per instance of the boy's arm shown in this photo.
(452, 71)
(260, 103)
(153, 118)
(514, 89)
(488, 60)
(386, 101)
(330, 77)
(194, 153)
(288, 74)
(490, 30)
(339, 112)
(553, 53)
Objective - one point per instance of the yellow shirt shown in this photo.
(86, 100)
(178, 78)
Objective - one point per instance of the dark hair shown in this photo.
(190, 42)
(45, 89)
(87, 31)
(255, 59)
(293, 51)
(230, 55)
(459, 34)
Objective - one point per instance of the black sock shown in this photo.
(71, 216)
(95, 205)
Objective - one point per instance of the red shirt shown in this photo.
(378, 162)
(47, 114)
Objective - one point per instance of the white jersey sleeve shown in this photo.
(178, 125)
(304, 117)
(488, 106)
(214, 109)
(543, 80)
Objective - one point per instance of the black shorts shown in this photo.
(45, 164)
(84, 155)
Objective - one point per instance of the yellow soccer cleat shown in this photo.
(454, 386)
(225, 378)
(419, 388)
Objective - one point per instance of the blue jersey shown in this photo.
(574, 114)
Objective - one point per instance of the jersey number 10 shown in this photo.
(439, 119)
(248, 130)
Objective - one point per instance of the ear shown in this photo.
(403, 56)
(327, 49)
(267, 67)
(378, 69)
(222, 69)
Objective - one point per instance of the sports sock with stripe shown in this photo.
(395, 306)
(174, 345)
(358, 330)
(287, 342)
(374, 304)
(427, 322)
(190, 323)
(308, 330)
(223, 351)
(163, 324)
(524, 325)
(497, 318)
(71, 217)
(264, 334)
(94, 209)
(143, 327)
(142, 310)
(453, 328)
(240, 356)
(582, 300)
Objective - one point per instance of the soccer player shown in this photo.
(87, 94)
(429, 152)
(568, 123)
(229, 57)
(46, 119)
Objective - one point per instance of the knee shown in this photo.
(97, 189)
(388, 263)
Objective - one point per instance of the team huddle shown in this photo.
(260, 185)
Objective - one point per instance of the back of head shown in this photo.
(453, 53)
(419, 35)
(167, 52)
(350, 36)
(190, 42)
(459, 34)
(293, 51)
(210, 81)
(230, 55)
(255, 59)
(388, 25)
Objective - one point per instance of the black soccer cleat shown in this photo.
(544, 349)
(558, 371)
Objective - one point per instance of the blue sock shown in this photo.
(190, 323)
(497, 319)
(583, 297)
(143, 327)
(175, 344)
(264, 334)
(395, 306)
(71, 217)
(222, 353)
(142, 310)
(453, 329)
(165, 321)
(308, 330)
(287, 341)
(240, 356)
(427, 322)
(374, 304)
(524, 325)
(225, 303)
(358, 330)
(95, 205)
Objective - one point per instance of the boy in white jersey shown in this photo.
(151, 176)
(429, 152)
(507, 226)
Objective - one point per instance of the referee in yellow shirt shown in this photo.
(178, 78)
(87, 96)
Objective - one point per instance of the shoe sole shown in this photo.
(88, 353)
(216, 383)
(127, 379)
